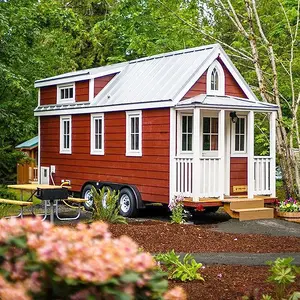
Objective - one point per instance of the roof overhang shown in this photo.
(226, 102)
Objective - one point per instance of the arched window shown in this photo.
(215, 79)
(214, 82)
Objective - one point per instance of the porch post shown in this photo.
(273, 152)
(221, 151)
(250, 155)
(196, 154)
(172, 176)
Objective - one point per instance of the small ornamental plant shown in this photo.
(41, 261)
(288, 205)
(177, 210)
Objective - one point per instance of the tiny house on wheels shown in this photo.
(178, 123)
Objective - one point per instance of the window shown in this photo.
(214, 85)
(97, 134)
(66, 93)
(66, 134)
(134, 133)
(240, 135)
(210, 133)
(186, 133)
(215, 79)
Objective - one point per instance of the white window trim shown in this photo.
(129, 114)
(179, 133)
(93, 118)
(209, 153)
(235, 153)
(63, 86)
(61, 135)
(221, 77)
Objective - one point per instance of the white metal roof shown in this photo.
(226, 102)
(152, 79)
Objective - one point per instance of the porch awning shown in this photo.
(30, 144)
(226, 102)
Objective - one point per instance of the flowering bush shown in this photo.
(289, 205)
(41, 261)
(177, 209)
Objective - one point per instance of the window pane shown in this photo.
(67, 127)
(216, 80)
(237, 126)
(237, 143)
(137, 141)
(190, 124)
(214, 142)
(214, 125)
(242, 125)
(206, 142)
(184, 125)
(66, 93)
(132, 141)
(242, 143)
(62, 94)
(96, 126)
(184, 145)
(190, 142)
(206, 125)
(71, 92)
(96, 142)
(137, 124)
(132, 125)
(100, 141)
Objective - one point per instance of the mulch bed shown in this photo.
(231, 282)
(156, 236)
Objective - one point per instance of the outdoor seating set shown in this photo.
(51, 195)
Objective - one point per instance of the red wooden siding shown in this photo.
(198, 88)
(48, 95)
(238, 173)
(150, 173)
(82, 91)
(101, 82)
(232, 88)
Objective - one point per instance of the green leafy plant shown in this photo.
(106, 206)
(5, 193)
(177, 209)
(283, 274)
(289, 205)
(185, 270)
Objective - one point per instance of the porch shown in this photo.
(212, 152)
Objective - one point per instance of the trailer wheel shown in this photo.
(127, 203)
(87, 194)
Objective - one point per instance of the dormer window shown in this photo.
(215, 79)
(66, 93)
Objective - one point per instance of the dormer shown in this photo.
(215, 83)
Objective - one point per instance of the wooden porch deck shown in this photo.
(240, 207)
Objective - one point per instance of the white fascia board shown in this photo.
(237, 75)
(205, 65)
(99, 109)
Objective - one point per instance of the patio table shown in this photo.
(45, 192)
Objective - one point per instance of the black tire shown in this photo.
(87, 194)
(127, 203)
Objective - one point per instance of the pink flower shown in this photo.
(176, 293)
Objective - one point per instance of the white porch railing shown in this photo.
(184, 176)
(209, 177)
(262, 175)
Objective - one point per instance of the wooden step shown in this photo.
(244, 204)
(255, 213)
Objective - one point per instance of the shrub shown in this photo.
(6, 194)
(106, 207)
(283, 274)
(187, 270)
(41, 261)
(177, 210)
